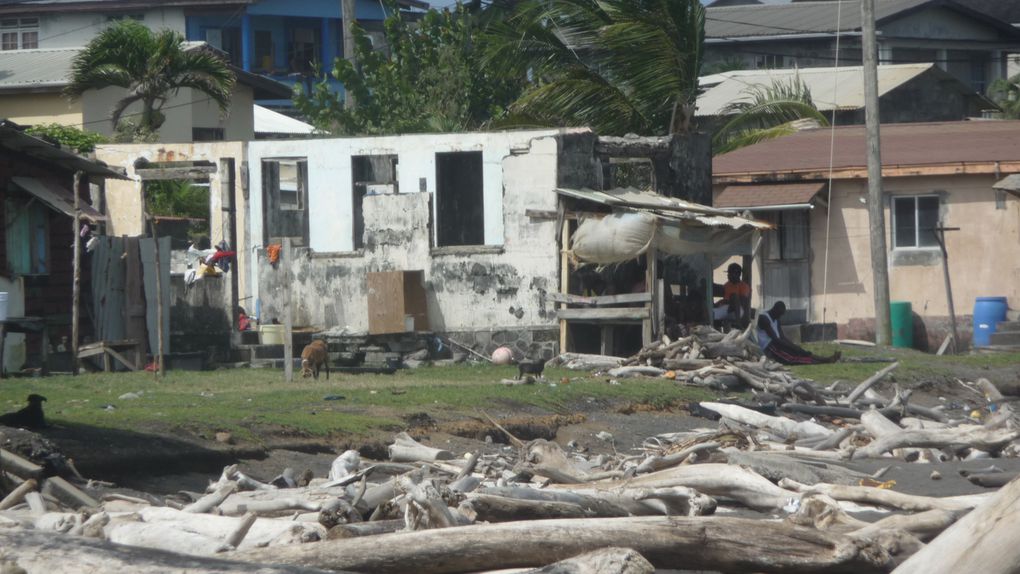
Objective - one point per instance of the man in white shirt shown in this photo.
(777, 347)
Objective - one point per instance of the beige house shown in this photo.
(934, 174)
(31, 84)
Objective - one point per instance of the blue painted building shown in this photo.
(284, 39)
(281, 39)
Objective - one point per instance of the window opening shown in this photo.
(914, 221)
(460, 205)
(285, 196)
(27, 234)
(789, 240)
(371, 175)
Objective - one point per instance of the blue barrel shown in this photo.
(988, 312)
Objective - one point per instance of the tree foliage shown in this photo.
(152, 67)
(426, 77)
(766, 112)
(617, 66)
(79, 140)
(1006, 94)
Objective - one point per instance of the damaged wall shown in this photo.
(499, 286)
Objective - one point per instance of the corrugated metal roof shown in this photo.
(831, 88)
(36, 69)
(903, 145)
(268, 121)
(807, 18)
(768, 195)
(50, 70)
(669, 208)
(57, 198)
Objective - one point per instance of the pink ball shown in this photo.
(502, 356)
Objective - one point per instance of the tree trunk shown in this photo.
(729, 544)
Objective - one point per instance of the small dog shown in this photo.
(314, 356)
(30, 417)
(534, 368)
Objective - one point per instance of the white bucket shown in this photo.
(3, 306)
(271, 334)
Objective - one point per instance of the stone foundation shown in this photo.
(532, 343)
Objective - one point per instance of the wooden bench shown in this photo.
(112, 350)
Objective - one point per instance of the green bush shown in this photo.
(79, 140)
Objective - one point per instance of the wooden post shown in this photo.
(76, 286)
(288, 326)
(160, 369)
(349, 15)
(564, 276)
(876, 206)
(940, 236)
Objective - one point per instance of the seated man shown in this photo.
(735, 306)
(777, 347)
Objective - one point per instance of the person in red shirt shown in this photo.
(735, 306)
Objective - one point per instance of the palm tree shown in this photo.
(617, 66)
(767, 112)
(152, 67)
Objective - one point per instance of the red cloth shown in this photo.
(739, 288)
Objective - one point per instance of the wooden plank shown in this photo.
(564, 242)
(76, 282)
(165, 173)
(611, 314)
(643, 297)
(288, 325)
(385, 302)
(126, 362)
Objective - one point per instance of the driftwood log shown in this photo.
(716, 480)
(961, 437)
(601, 561)
(711, 543)
(406, 449)
(48, 552)
(984, 541)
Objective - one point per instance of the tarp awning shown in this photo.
(57, 198)
(769, 197)
(642, 220)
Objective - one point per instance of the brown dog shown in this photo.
(314, 355)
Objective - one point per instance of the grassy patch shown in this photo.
(252, 402)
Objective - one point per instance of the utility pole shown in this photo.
(348, 13)
(876, 205)
(76, 286)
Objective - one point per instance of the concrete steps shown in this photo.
(1005, 338)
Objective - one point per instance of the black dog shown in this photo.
(30, 417)
(530, 368)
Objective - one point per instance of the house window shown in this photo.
(789, 240)
(914, 221)
(460, 205)
(19, 33)
(27, 235)
(371, 175)
(285, 196)
(207, 134)
(264, 50)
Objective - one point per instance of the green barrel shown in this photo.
(901, 317)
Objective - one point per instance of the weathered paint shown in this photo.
(123, 197)
(501, 286)
(31, 109)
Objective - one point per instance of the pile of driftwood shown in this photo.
(775, 485)
(759, 493)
